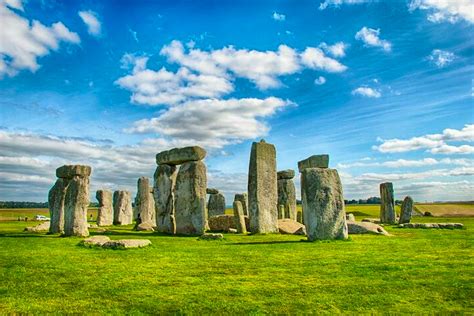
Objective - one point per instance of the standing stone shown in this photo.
(315, 161)
(239, 217)
(216, 204)
(105, 215)
(190, 198)
(299, 217)
(387, 204)
(177, 156)
(123, 211)
(407, 209)
(287, 193)
(56, 197)
(243, 198)
(75, 207)
(165, 179)
(144, 202)
(323, 204)
(262, 189)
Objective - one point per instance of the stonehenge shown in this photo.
(262, 188)
(323, 201)
(286, 194)
(145, 203)
(105, 213)
(243, 198)
(406, 210)
(239, 217)
(180, 193)
(123, 212)
(387, 204)
(68, 201)
(216, 203)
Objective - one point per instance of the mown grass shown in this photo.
(413, 271)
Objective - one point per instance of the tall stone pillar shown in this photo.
(144, 202)
(239, 218)
(123, 211)
(56, 198)
(387, 204)
(216, 203)
(243, 198)
(406, 210)
(287, 193)
(105, 214)
(165, 180)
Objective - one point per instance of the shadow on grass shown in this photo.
(26, 235)
(268, 242)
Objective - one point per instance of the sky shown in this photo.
(384, 87)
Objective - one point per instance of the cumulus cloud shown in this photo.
(371, 38)
(337, 3)
(441, 58)
(278, 16)
(450, 11)
(315, 58)
(91, 20)
(404, 163)
(367, 92)
(23, 41)
(320, 81)
(337, 50)
(435, 143)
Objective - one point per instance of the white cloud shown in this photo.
(22, 41)
(336, 50)
(91, 19)
(445, 10)
(436, 143)
(403, 163)
(337, 3)
(320, 80)
(441, 58)
(371, 38)
(314, 58)
(367, 92)
(278, 16)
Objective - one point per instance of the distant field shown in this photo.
(440, 209)
(12, 214)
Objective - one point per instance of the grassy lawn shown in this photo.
(413, 271)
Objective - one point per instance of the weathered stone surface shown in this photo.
(75, 207)
(323, 204)
(222, 223)
(177, 156)
(56, 198)
(105, 214)
(69, 171)
(286, 174)
(315, 161)
(190, 199)
(387, 204)
(145, 203)
(350, 217)
(145, 227)
(406, 210)
(95, 241)
(165, 180)
(127, 243)
(212, 191)
(371, 220)
(262, 189)
(432, 225)
(43, 227)
(239, 218)
(216, 204)
(123, 211)
(243, 198)
(299, 217)
(211, 236)
(365, 228)
(291, 227)
(287, 198)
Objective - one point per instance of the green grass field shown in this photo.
(413, 271)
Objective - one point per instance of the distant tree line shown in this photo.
(18, 204)
(370, 200)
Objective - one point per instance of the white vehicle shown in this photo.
(41, 218)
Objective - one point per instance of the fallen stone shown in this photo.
(406, 210)
(211, 236)
(177, 156)
(289, 226)
(105, 213)
(365, 228)
(145, 227)
(432, 225)
(286, 174)
(371, 220)
(350, 217)
(232, 230)
(315, 161)
(95, 241)
(387, 204)
(43, 227)
(165, 180)
(216, 204)
(69, 171)
(212, 191)
(127, 243)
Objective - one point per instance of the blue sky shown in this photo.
(384, 87)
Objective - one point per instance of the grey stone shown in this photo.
(406, 210)
(56, 198)
(190, 199)
(387, 204)
(232, 230)
(299, 217)
(211, 236)
(75, 207)
(222, 223)
(262, 189)
(365, 228)
(350, 217)
(315, 161)
(165, 180)
(177, 156)
(286, 174)
(323, 204)
(212, 191)
(216, 204)
(123, 211)
(69, 171)
(43, 227)
(105, 213)
(287, 198)
(95, 241)
(291, 227)
(243, 198)
(145, 203)
(239, 217)
(145, 227)
(127, 243)
(371, 220)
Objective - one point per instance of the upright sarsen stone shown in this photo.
(216, 204)
(387, 204)
(406, 210)
(190, 198)
(323, 204)
(105, 214)
(239, 218)
(56, 198)
(243, 198)
(144, 202)
(165, 179)
(123, 211)
(286, 194)
(262, 188)
(75, 207)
